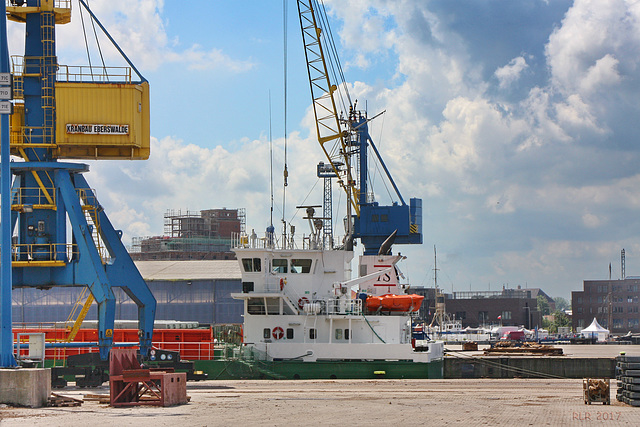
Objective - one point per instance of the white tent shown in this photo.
(594, 330)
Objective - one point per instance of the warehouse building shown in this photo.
(189, 291)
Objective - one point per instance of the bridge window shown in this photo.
(338, 334)
(266, 333)
(289, 333)
(301, 265)
(251, 264)
(279, 266)
(313, 333)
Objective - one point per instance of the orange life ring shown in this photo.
(277, 333)
(281, 284)
(302, 301)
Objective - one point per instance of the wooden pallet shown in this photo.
(58, 400)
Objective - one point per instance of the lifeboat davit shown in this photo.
(391, 302)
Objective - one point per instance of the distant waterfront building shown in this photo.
(509, 307)
(192, 236)
(614, 303)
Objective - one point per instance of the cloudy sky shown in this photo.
(514, 121)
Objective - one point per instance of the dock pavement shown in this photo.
(436, 402)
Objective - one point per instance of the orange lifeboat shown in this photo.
(391, 302)
(373, 303)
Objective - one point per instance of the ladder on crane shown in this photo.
(84, 309)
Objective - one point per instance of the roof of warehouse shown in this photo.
(189, 270)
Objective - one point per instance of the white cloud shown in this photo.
(597, 39)
(511, 72)
(139, 29)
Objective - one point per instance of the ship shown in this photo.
(306, 314)
(305, 318)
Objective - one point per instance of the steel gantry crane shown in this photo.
(64, 112)
(345, 142)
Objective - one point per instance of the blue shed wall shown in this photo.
(203, 301)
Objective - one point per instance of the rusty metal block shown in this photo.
(131, 385)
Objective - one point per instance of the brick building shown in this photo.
(614, 303)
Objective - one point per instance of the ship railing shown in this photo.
(253, 354)
(344, 306)
(273, 241)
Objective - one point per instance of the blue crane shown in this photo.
(61, 112)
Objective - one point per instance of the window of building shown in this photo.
(580, 323)
(632, 288)
(279, 266)
(289, 333)
(506, 315)
(633, 323)
(483, 317)
(461, 315)
(313, 332)
(579, 310)
(629, 299)
(603, 289)
(300, 265)
(600, 299)
(618, 309)
(251, 264)
(578, 300)
(617, 323)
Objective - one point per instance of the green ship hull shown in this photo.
(291, 370)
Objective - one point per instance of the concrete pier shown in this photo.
(25, 387)
(529, 367)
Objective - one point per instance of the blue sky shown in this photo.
(514, 121)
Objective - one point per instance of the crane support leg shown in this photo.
(89, 262)
(122, 271)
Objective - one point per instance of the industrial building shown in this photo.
(190, 291)
(206, 235)
(509, 307)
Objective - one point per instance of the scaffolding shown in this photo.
(193, 235)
